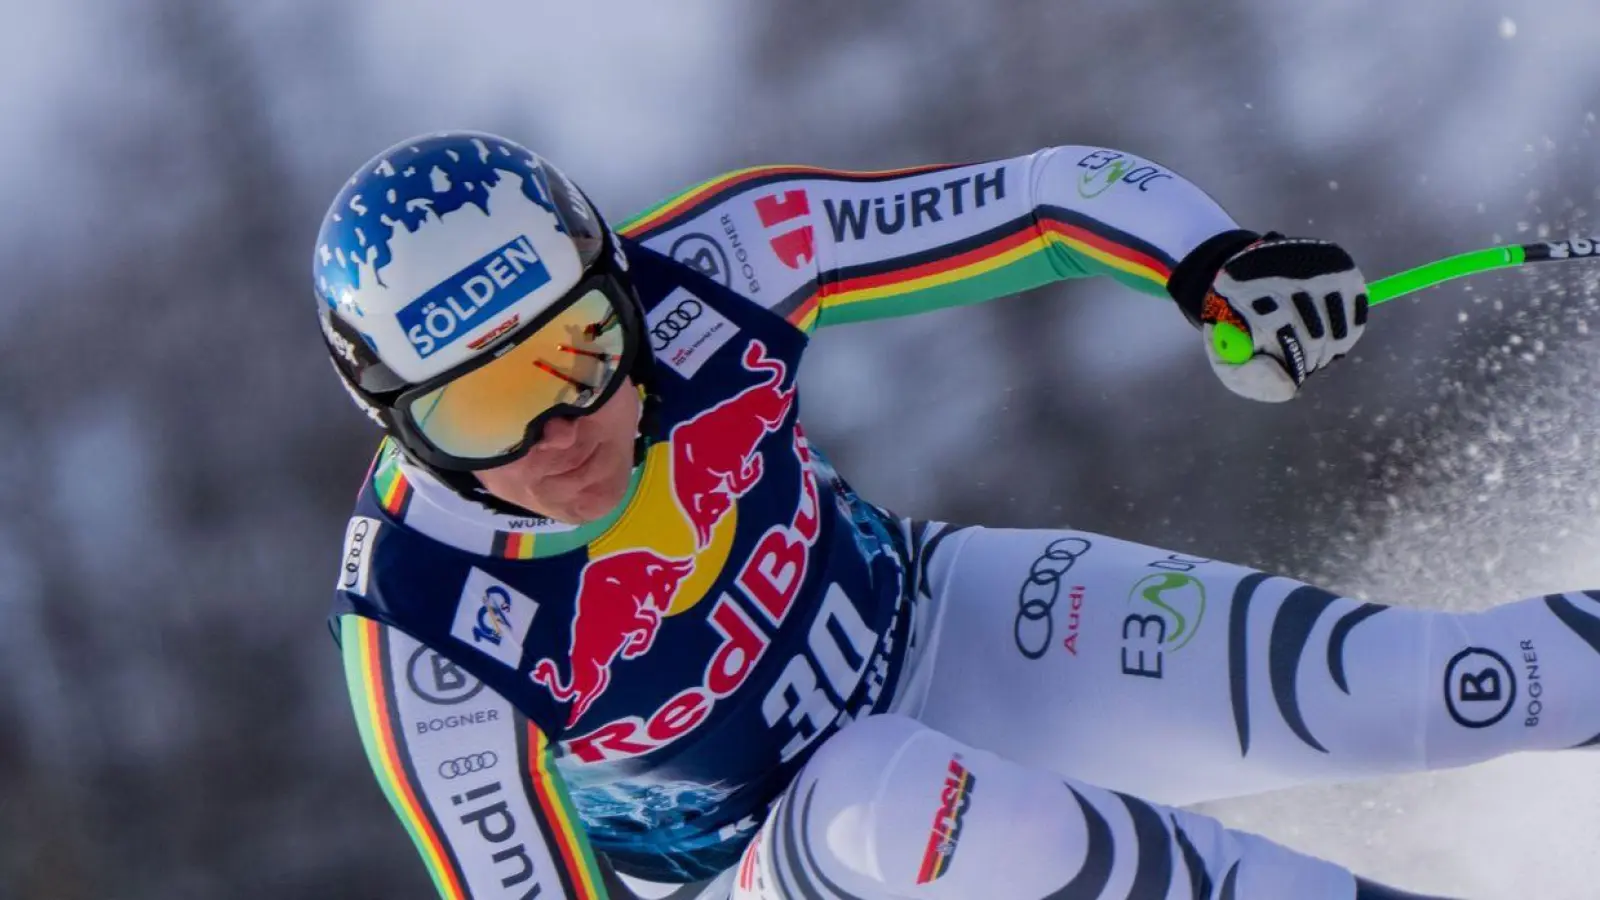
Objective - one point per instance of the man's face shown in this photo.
(580, 469)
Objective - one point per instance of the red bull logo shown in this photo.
(714, 455)
(713, 460)
(620, 601)
(769, 579)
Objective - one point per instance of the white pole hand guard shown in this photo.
(1299, 303)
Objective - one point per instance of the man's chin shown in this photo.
(596, 500)
(584, 502)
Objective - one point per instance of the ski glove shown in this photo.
(1297, 304)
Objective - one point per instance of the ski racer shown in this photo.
(602, 605)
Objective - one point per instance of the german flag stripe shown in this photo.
(1111, 247)
(942, 843)
(1007, 258)
(997, 246)
(393, 488)
(558, 820)
(398, 501)
(366, 652)
(512, 545)
(799, 306)
(747, 865)
(707, 194)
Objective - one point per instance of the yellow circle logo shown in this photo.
(655, 522)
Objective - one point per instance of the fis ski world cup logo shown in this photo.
(675, 542)
(492, 617)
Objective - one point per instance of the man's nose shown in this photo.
(558, 434)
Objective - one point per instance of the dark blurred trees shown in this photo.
(181, 507)
(179, 460)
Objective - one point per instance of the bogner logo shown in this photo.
(1479, 687)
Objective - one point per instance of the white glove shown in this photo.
(1279, 310)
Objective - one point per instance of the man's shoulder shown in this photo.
(749, 230)
(394, 550)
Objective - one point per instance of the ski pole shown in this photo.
(1234, 346)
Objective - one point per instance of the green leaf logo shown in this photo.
(1094, 183)
(1173, 593)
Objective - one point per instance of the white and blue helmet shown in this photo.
(436, 253)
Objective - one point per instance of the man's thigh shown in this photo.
(889, 808)
(1160, 673)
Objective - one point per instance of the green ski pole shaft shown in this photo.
(1234, 346)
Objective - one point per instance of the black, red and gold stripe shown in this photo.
(707, 194)
(366, 652)
(945, 834)
(1005, 259)
(512, 545)
(394, 490)
(558, 820)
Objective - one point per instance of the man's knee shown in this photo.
(845, 781)
(884, 801)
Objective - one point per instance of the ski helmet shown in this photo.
(468, 293)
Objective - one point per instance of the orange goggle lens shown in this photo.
(485, 413)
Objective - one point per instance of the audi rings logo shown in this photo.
(355, 553)
(673, 323)
(1036, 601)
(466, 765)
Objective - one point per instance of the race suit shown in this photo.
(746, 673)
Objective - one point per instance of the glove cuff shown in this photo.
(1193, 277)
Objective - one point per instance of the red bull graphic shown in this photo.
(618, 610)
(777, 567)
(769, 579)
(715, 459)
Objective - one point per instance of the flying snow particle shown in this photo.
(1508, 28)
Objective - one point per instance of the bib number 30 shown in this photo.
(839, 645)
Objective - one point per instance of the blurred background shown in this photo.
(178, 460)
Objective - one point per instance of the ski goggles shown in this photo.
(567, 362)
